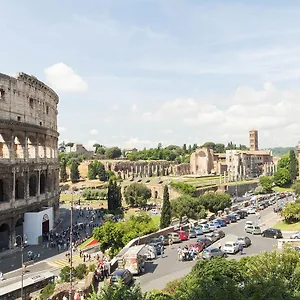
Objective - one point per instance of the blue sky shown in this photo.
(140, 72)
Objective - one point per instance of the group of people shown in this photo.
(187, 253)
(103, 269)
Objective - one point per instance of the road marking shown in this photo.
(65, 261)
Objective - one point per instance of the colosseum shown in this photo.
(29, 168)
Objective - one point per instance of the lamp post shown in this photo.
(23, 242)
(71, 249)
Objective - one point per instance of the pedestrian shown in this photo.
(241, 248)
(219, 245)
(170, 242)
(83, 257)
(179, 253)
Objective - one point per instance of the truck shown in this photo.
(133, 259)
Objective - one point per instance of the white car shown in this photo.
(212, 226)
(295, 235)
(231, 248)
(252, 210)
(205, 228)
(248, 223)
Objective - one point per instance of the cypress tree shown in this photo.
(92, 171)
(110, 195)
(63, 171)
(165, 218)
(293, 165)
(74, 173)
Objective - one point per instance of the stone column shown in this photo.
(26, 153)
(12, 148)
(26, 186)
(224, 176)
(45, 148)
(13, 192)
(37, 147)
(38, 183)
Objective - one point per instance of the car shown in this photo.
(219, 233)
(242, 213)
(232, 218)
(197, 245)
(212, 236)
(248, 223)
(295, 235)
(244, 240)
(204, 241)
(227, 220)
(216, 223)
(192, 234)
(297, 248)
(211, 253)
(165, 239)
(198, 230)
(205, 228)
(156, 242)
(175, 237)
(212, 226)
(222, 222)
(236, 215)
(231, 247)
(122, 275)
(183, 235)
(253, 229)
(251, 210)
(272, 233)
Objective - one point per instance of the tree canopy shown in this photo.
(137, 194)
(266, 182)
(166, 212)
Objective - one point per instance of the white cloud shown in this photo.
(133, 108)
(167, 131)
(93, 131)
(115, 107)
(108, 119)
(62, 77)
(135, 142)
(61, 129)
(89, 144)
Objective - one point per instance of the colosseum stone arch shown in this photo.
(29, 165)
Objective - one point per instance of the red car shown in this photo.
(227, 220)
(200, 246)
(183, 235)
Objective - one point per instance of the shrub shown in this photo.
(184, 188)
(80, 271)
(47, 291)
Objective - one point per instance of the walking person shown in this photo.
(241, 248)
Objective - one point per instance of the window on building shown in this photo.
(31, 102)
(2, 94)
(41, 123)
(19, 118)
(47, 109)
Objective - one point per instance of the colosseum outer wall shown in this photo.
(29, 167)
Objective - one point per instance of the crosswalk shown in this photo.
(65, 261)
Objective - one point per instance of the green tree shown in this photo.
(74, 172)
(102, 174)
(63, 171)
(70, 145)
(214, 201)
(282, 177)
(293, 165)
(137, 194)
(166, 212)
(284, 162)
(113, 152)
(296, 187)
(266, 182)
(114, 196)
(92, 171)
(291, 212)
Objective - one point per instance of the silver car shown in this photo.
(253, 229)
(295, 235)
(210, 253)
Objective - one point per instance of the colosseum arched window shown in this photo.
(42, 183)
(4, 149)
(41, 147)
(32, 186)
(31, 142)
(19, 146)
(49, 147)
(19, 188)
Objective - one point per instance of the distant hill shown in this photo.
(279, 151)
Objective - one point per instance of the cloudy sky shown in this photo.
(140, 72)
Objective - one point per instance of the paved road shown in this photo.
(163, 270)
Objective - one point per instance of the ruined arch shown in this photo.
(4, 191)
(32, 185)
(20, 188)
(19, 146)
(49, 147)
(4, 147)
(41, 147)
(42, 183)
(4, 236)
(31, 143)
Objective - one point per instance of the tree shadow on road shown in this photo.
(150, 267)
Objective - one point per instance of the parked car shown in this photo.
(231, 247)
(175, 237)
(219, 233)
(165, 239)
(295, 235)
(227, 220)
(205, 228)
(156, 242)
(216, 223)
(272, 233)
(222, 222)
(232, 218)
(211, 253)
(183, 235)
(192, 234)
(204, 241)
(248, 223)
(122, 275)
(244, 240)
(212, 226)
(253, 229)
(297, 248)
(199, 246)
(251, 210)
(212, 236)
(198, 230)
(242, 213)
(236, 215)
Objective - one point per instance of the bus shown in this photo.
(30, 285)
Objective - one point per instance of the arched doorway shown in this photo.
(32, 186)
(4, 236)
(19, 188)
(19, 230)
(42, 183)
(19, 147)
(45, 226)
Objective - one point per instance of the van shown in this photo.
(175, 237)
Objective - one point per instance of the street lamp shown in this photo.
(23, 243)
(71, 249)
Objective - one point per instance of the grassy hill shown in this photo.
(279, 151)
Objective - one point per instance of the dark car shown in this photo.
(272, 233)
(232, 218)
(227, 220)
(219, 233)
(157, 243)
(244, 240)
(242, 213)
(122, 275)
(204, 241)
(222, 222)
